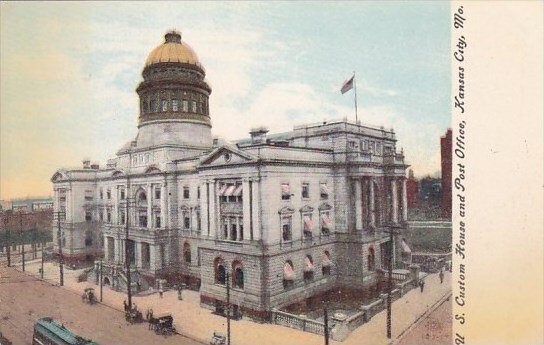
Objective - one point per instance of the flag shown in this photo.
(348, 85)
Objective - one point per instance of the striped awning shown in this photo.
(285, 189)
(308, 265)
(323, 188)
(288, 272)
(308, 224)
(326, 219)
(230, 190)
(222, 189)
(405, 247)
(238, 190)
(326, 261)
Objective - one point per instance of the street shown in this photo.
(24, 298)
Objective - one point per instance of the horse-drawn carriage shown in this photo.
(133, 315)
(163, 324)
(88, 296)
(218, 339)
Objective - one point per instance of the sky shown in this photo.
(69, 72)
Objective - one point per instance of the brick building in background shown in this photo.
(412, 189)
(445, 153)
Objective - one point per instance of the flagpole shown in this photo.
(355, 96)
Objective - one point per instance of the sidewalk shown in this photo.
(199, 323)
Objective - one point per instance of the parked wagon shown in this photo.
(164, 324)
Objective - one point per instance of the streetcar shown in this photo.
(48, 332)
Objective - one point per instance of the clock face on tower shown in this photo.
(227, 157)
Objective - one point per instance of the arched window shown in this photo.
(153, 105)
(326, 264)
(288, 275)
(237, 275)
(187, 252)
(164, 105)
(308, 268)
(142, 107)
(371, 259)
(220, 273)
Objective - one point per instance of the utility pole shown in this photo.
(228, 307)
(390, 282)
(8, 235)
(59, 241)
(101, 285)
(22, 239)
(127, 250)
(41, 271)
(326, 330)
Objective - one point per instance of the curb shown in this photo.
(422, 317)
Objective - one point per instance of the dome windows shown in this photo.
(164, 105)
(175, 105)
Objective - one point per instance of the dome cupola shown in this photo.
(174, 95)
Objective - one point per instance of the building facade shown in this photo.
(281, 218)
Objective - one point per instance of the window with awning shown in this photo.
(308, 223)
(308, 264)
(325, 220)
(405, 247)
(238, 190)
(285, 191)
(230, 189)
(326, 260)
(288, 272)
(324, 191)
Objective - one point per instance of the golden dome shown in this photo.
(173, 50)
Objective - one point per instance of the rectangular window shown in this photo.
(108, 217)
(193, 106)
(185, 105)
(198, 192)
(122, 217)
(305, 191)
(101, 216)
(198, 221)
(325, 222)
(164, 105)
(157, 221)
(175, 105)
(122, 194)
(101, 194)
(233, 229)
(186, 193)
(285, 191)
(186, 221)
(241, 227)
(371, 147)
(108, 194)
(88, 195)
(308, 224)
(157, 194)
(286, 232)
(88, 216)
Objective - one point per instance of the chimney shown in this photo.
(258, 135)
(86, 163)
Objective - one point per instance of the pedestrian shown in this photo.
(421, 284)
(125, 305)
(441, 275)
(151, 320)
(160, 292)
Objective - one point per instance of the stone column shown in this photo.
(358, 204)
(56, 201)
(152, 257)
(106, 249)
(240, 229)
(69, 215)
(116, 251)
(256, 210)
(395, 201)
(204, 208)
(115, 216)
(163, 206)
(404, 201)
(246, 199)
(372, 204)
(212, 211)
(149, 206)
(138, 253)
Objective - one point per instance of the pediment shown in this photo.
(306, 209)
(226, 155)
(325, 207)
(59, 176)
(286, 210)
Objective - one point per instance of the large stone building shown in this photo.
(286, 216)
